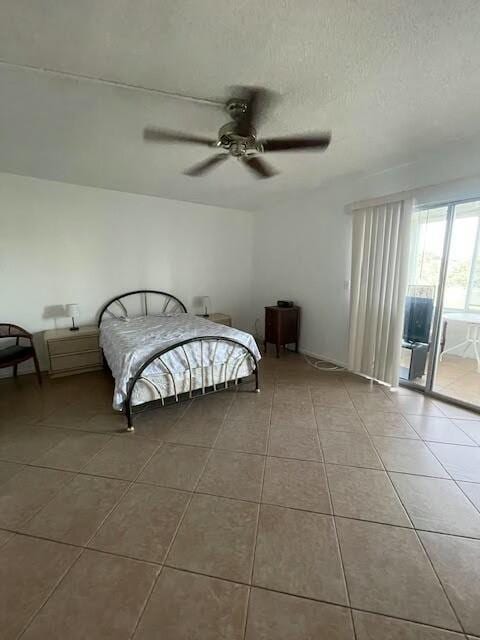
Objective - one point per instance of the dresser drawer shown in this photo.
(75, 360)
(84, 343)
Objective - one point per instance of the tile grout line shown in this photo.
(310, 599)
(257, 523)
(157, 578)
(322, 513)
(85, 548)
(477, 507)
(425, 552)
(229, 580)
(52, 592)
(441, 583)
(342, 564)
(149, 483)
(338, 464)
(50, 500)
(146, 601)
(419, 540)
(130, 484)
(265, 456)
(177, 528)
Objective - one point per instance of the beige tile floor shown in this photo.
(319, 509)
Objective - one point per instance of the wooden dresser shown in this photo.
(71, 352)
(282, 326)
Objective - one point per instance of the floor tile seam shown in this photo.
(130, 484)
(427, 444)
(456, 482)
(420, 542)
(463, 430)
(50, 595)
(257, 522)
(335, 516)
(26, 465)
(32, 463)
(337, 539)
(145, 602)
(310, 599)
(393, 485)
(449, 600)
(193, 491)
(225, 579)
(63, 486)
(425, 551)
(371, 442)
(382, 435)
(177, 528)
(74, 474)
(95, 455)
(439, 401)
(476, 506)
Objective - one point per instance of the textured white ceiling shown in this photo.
(390, 78)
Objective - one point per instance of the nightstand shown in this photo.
(220, 318)
(282, 326)
(71, 352)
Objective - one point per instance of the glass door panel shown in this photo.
(427, 246)
(457, 371)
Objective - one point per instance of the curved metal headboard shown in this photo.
(144, 293)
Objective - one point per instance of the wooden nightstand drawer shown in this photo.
(72, 352)
(75, 361)
(75, 345)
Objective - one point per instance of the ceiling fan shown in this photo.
(238, 138)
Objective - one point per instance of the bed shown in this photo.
(159, 354)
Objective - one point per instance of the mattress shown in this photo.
(128, 343)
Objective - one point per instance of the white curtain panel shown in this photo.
(378, 287)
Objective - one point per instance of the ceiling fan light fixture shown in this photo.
(238, 138)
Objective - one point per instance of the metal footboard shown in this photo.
(230, 370)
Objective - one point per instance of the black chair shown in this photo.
(12, 356)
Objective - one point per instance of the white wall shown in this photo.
(302, 245)
(62, 243)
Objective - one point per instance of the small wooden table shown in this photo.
(219, 318)
(282, 326)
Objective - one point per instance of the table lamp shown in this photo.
(73, 310)
(206, 304)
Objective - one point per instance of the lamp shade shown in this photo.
(73, 310)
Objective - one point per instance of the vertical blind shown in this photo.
(380, 247)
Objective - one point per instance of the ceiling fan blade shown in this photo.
(202, 167)
(163, 135)
(259, 167)
(296, 143)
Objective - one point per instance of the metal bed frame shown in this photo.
(171, 303)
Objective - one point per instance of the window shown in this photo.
(462, 290)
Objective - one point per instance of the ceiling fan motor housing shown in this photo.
(231, 137)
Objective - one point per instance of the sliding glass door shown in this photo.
(427, 248)
(441, 338)
(457, 371)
